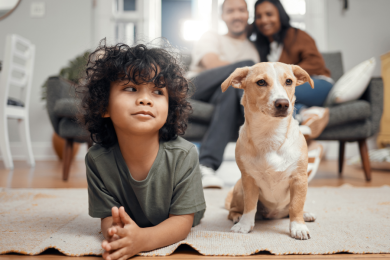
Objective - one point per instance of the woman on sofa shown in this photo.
(277, 41)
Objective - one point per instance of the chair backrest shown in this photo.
(18, 66)
(334, 62)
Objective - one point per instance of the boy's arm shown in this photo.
(134, 239)
(106, 223)
(170, 231)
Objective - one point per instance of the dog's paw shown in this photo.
(299, 231)
(242, 228)
(309, 217)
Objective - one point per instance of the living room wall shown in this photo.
(61, 34)
(360, 32)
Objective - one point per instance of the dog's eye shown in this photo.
(288, 81)
(261, 82)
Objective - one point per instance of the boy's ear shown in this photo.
(301, 75)
(236, 79)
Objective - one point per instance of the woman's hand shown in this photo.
(130, 239)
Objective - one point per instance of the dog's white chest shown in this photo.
(288, 154)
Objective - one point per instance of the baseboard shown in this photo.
(331, 149)
(43, 151)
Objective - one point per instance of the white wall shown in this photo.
(361, 32)
(61, 34)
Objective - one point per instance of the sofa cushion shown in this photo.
(195, 131)
(349, 112)
(201, 111)
(352, 84)
(352, 131)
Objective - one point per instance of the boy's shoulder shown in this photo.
(97, 151)
(179, 144)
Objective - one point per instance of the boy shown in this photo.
(143, 180)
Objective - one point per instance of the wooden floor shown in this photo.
(48, 175)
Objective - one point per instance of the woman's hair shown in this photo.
(137, 64)
(262, 43)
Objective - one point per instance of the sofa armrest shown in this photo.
(374, 95)
(67, 107)
(57, 88)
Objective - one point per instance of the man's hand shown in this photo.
(130, 238)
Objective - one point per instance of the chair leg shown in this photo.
(365, 159)
(67, 158)
(341, 156)
(4, 143)
(24, 132)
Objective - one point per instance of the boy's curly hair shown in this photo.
(138, 64)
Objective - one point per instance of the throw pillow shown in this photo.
(352, 84)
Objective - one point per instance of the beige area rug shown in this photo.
(355, 220)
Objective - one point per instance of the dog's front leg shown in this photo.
(251, 196)
(298, 190)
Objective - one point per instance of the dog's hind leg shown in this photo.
(236, 203)
(309, 217)
(234, 216)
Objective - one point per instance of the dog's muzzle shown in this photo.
(281, 107)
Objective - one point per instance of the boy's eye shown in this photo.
(130, 89)
(158, 92)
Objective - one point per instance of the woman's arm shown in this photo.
(134, 239)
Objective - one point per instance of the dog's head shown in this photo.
(269, 87)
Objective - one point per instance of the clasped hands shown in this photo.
(125, 237)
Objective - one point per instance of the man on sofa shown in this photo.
(214, 58)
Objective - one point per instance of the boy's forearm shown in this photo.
(168, 232)
(106, 223)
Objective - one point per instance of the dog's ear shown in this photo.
(236, 79)
(302, 76)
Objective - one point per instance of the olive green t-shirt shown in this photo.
(173, 185)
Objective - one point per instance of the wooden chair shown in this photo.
(17, 72)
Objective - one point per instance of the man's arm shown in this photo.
(134, 239)
(211, 61)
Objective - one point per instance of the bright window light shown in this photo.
(192, 30)
(294, 7)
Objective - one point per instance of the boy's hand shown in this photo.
(116, 223)
(130, 240)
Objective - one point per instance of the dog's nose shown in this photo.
(282, 104)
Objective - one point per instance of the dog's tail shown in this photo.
(229, 198)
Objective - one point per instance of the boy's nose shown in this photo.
(145, 101)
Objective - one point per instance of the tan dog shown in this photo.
(271, 152)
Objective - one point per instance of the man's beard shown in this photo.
(238, 33)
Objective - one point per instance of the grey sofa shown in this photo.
(62, 107)
(353, 121)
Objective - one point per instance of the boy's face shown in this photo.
(137, 109)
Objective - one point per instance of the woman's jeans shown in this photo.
(229, 113)
(308, 97)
